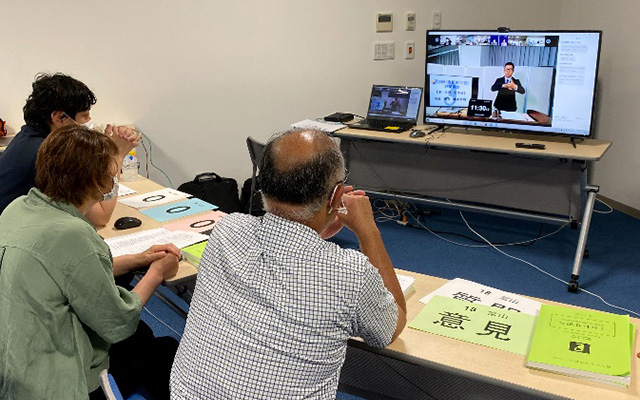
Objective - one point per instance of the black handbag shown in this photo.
(214, 189)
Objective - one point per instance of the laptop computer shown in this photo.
(391, 109)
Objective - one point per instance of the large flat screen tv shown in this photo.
(535, 81)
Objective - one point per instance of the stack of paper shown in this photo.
(477, 293)
(406, 284)
(140, 241)
(328, 127)
(124, 190)
(588, 344)
(479, 314)
(155, 198)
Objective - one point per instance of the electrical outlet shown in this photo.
(436, 22)
(409, 50)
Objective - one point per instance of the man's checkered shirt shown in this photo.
(273, 308)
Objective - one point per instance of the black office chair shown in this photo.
(256, 149)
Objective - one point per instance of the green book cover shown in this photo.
(584, 343)
(193, 253)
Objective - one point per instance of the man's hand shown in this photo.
(510, 86)
(336, 225)
(359, 216)
(125, 138)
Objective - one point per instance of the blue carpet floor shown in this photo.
(612, 269)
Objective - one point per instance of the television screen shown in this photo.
(533, 81)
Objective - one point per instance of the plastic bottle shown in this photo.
(130, 167)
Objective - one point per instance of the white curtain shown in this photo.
(531, 56)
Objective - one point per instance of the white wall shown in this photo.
(618, 109)
(199, 76)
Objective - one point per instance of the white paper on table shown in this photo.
(124, 190)
(155, 198)
(140, 241)
(516, 116)
(406, 283)
(480, 294)
(321, 126)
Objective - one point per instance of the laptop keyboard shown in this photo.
(375, 122)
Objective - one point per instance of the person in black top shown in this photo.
(56, 100)
(507, 87)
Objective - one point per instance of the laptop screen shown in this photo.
(395, 103)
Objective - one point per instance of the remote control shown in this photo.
(537, 146)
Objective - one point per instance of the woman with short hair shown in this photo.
(59, 306)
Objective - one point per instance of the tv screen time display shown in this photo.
(531, 81)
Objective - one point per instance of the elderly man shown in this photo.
(275, 303)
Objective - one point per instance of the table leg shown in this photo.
(584, 232)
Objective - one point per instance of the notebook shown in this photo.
(391, 109)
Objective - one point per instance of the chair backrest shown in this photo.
(256, 149)
(109, 386)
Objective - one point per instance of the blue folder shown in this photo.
(167, 212)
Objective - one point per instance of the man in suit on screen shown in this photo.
(507, 86)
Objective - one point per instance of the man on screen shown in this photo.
(507, 87)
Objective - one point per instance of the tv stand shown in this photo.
(481, 172)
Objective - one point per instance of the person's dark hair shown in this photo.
(510, 63)
(308, 183)
(57, 92)
(73, 163)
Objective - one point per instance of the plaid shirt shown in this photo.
(272, 311)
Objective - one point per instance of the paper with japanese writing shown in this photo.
(480, 294)
(180, 209)
(155, 198)
(476, 323)
(140, 241)
(586, 340)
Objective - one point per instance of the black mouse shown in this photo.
(416, 134)
(127, 222)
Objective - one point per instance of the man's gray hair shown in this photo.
(298, 189)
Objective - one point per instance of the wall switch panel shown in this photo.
(410, 21)
(436, 22)
(384, 22)
(384, 50)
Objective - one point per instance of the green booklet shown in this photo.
(476, 323)
(193, 253)
(588, 344)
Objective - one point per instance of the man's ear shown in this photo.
(58, 119)
(335, 201)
